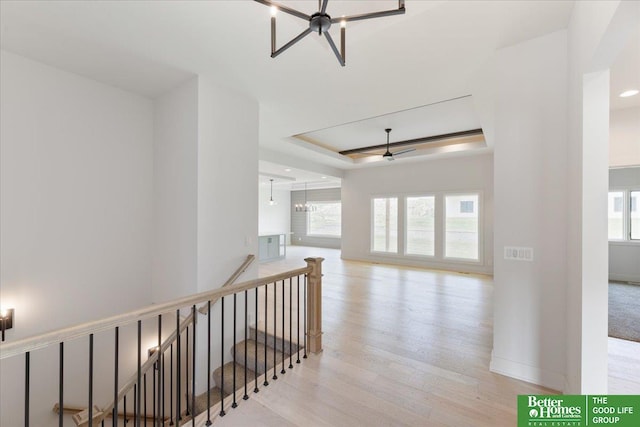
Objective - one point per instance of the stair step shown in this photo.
(201, 400)
(228, 377)
(251, 351)
(276, 342)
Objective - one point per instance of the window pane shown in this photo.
(461, 227)
(635, 215)
(616, 224)
(385, 225)
(420, 225)
(326, 219)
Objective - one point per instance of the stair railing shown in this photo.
(309, 303)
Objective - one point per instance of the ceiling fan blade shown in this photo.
(292, 42)
(334, 48)
(408, 150)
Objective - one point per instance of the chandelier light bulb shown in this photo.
(274, 10)
(343, 24)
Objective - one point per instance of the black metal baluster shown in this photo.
(275, 330)
(304, 303)
(208, 363)
(298, 318)
(186, 373)
(125, 410)
(115, 377)
(91, 379)
(137, 405)
(283, 333)
(61, 386)
(246, 396)
(266, 364)
(164, 375)
(144, 394)
(171, 385)
(193, 366)
(27, 362)
(153, 388)
(160, 369)
(290, 322)
(222, 413)
(178, 368)
(235, 346)
(255, 349)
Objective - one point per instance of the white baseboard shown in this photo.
(624, 278)
(531, 374)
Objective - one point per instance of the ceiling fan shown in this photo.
(388, 154)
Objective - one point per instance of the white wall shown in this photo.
(76, 200)
(299, 220)
(451, 174)
(597, 33)
(530, 210)
(624, 256)
(624, 137)
(276, 218)
(76, 212)
(175, 192)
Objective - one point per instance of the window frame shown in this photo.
(372, 225)
(480, 209)
(405, 227)
(626, 216)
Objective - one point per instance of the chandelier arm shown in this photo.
(285, 9)
(371, 15)
(324, 6)
(334, 49)
(408, 150)
(292, 42)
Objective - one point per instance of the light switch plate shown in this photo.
(518, 253)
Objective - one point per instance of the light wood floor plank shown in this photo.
(402, 346)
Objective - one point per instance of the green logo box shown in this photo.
(578, 410)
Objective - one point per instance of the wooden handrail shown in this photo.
(37, 342)
(232, 278)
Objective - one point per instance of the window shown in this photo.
(325, 220)
(624, 215)
(461, 227)
(420, 225)
(616, 215)
(385, 225)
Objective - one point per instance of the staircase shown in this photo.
(258, 344)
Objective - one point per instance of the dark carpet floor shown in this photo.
(624, 311)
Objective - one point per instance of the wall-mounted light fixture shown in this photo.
(6, 320)
(151, 352)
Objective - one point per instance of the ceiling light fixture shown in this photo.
(628, 93)
(320, 22)
(271, 202)
(306, 207)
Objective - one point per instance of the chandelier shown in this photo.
(271, 201)
(320, 22)
(306, 207)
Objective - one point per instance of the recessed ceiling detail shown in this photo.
(442, 127)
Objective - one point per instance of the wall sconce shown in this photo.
(6, 320)
(151, 352)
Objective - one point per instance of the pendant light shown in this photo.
(306, 207)
(271, 202)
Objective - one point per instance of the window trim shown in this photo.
(626, 215)
(435, 223)
(480, 209)
(371, 225)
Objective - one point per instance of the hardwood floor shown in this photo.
(402, 346)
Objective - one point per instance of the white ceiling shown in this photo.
(625, 73)
(393, 63)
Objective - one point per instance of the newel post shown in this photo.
(314, 304)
